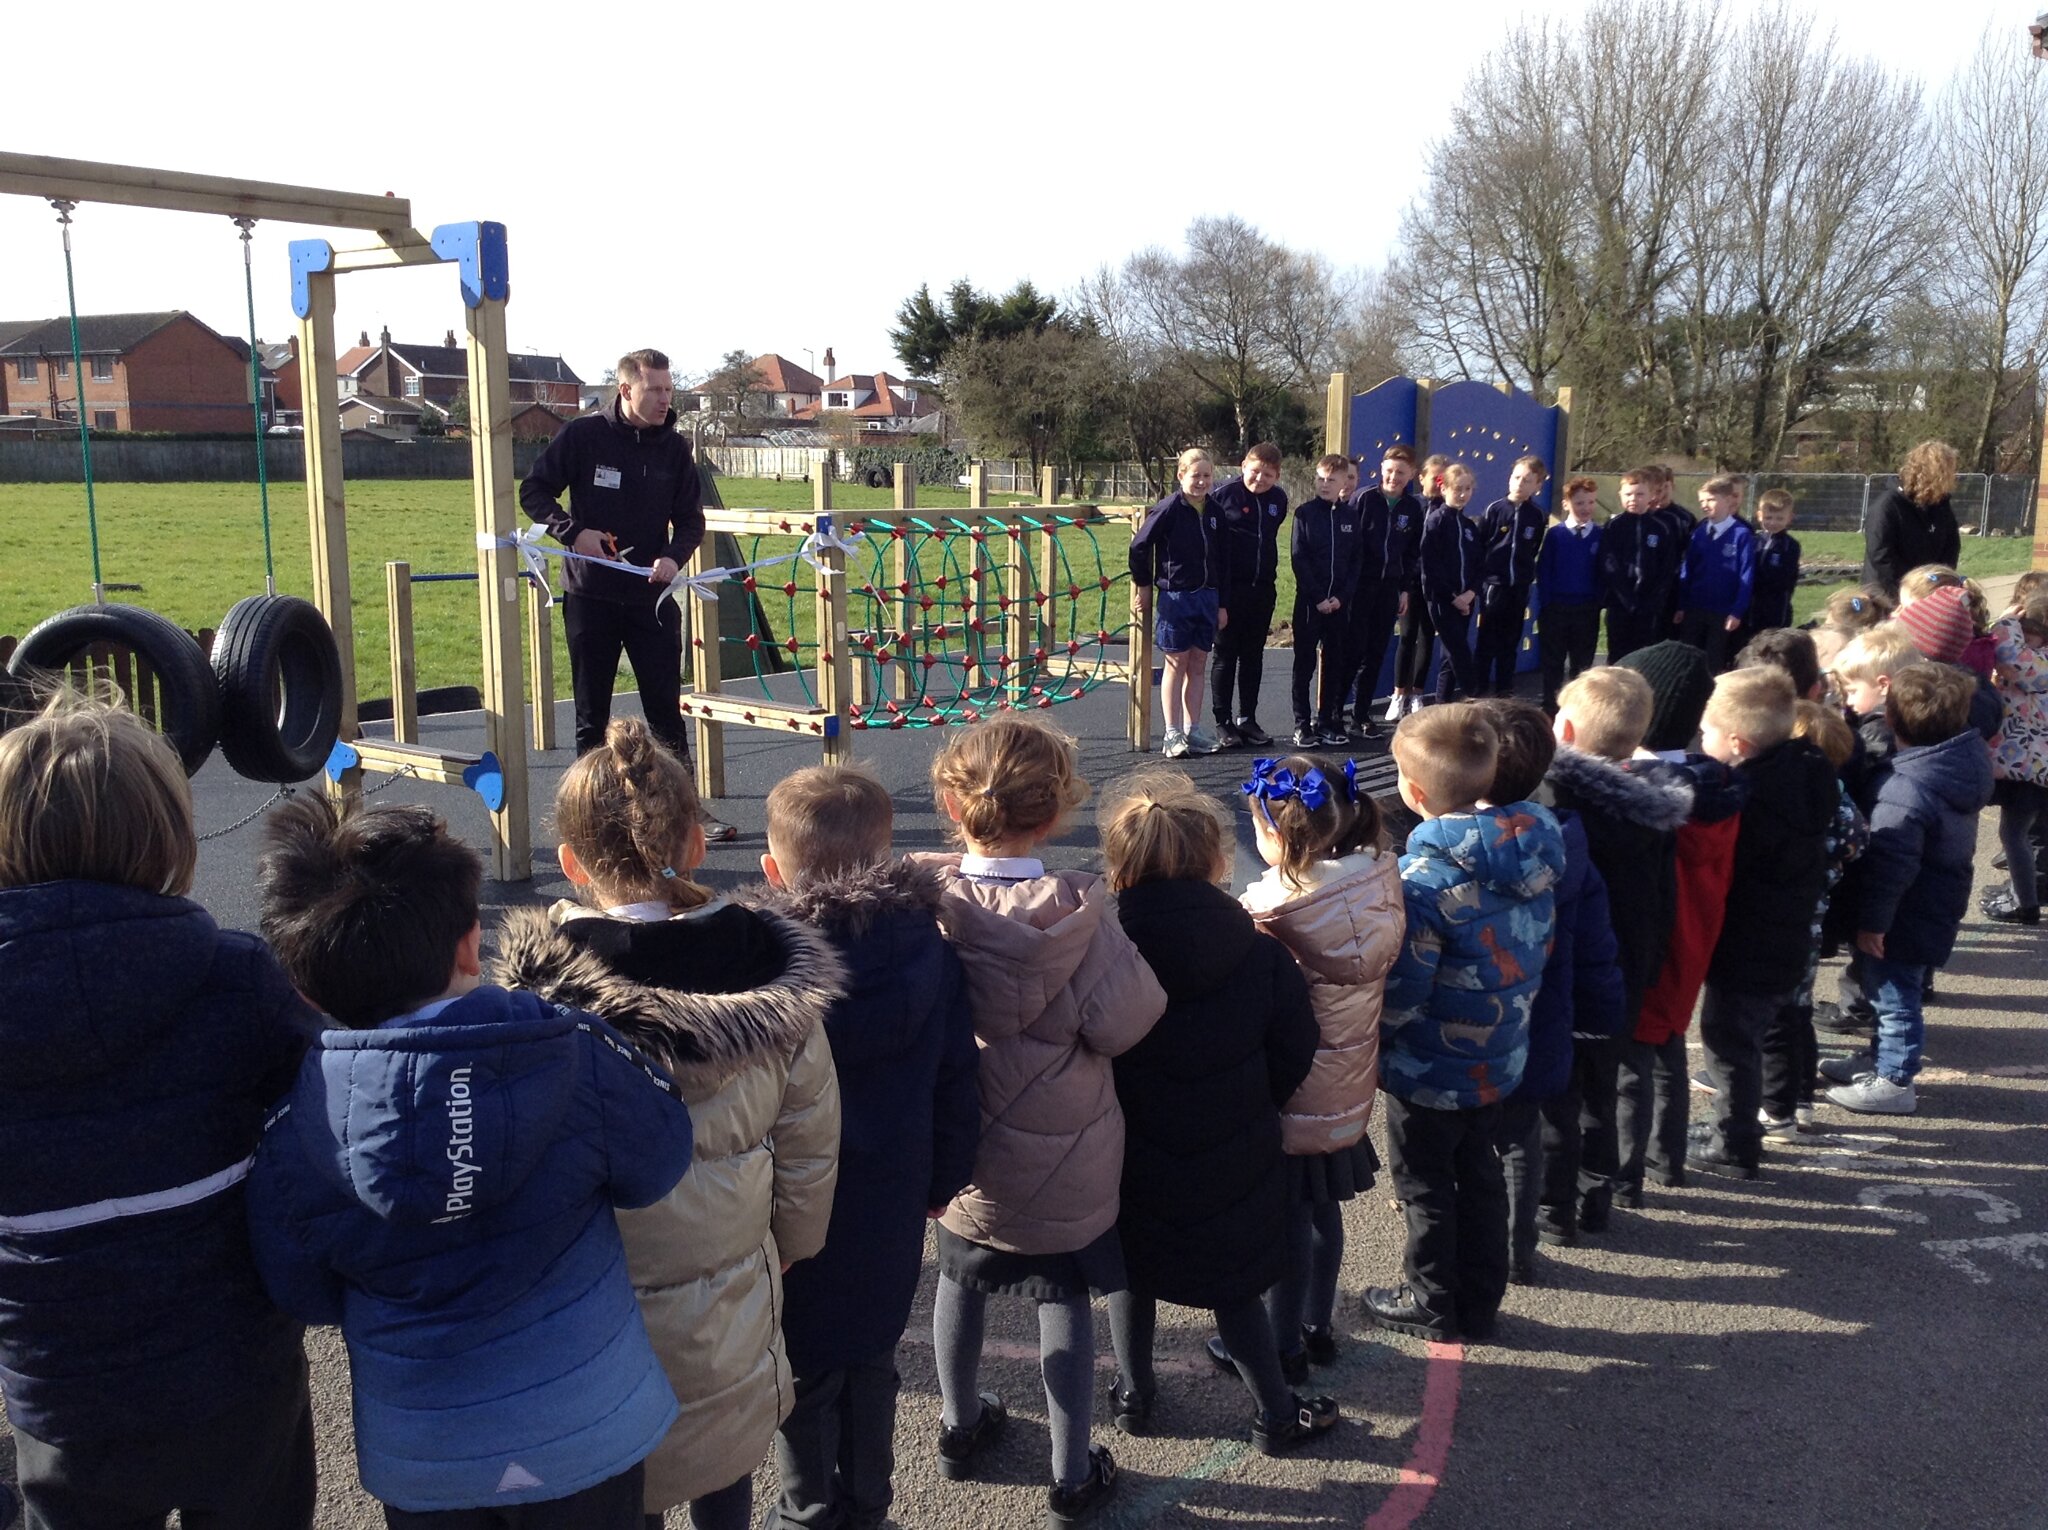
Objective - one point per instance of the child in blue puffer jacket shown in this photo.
(441, 1182)
(144, 1368)
(1454, 1035)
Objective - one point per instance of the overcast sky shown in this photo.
(769, 178)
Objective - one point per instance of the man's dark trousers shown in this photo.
(652, 637)
(1446, 1171)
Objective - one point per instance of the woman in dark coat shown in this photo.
(1204, 1194)
(1913, 524)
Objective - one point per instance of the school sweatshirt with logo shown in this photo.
(1390, 533)
(1639, 557)
(442, 1188)
(1324, 550)
(1512, 537)
(1252, 523)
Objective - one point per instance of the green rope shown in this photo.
(92, 515)
(256, 401)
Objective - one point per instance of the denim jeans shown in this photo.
(1894, 989)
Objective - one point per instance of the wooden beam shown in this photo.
(1562, 465)
(777, 716)
(405, 701)
(326, 509)
(1138, 710)
(834, 663)
(707, 670)
(83, 180)
(405, 247)
(390, 757)
(540, 637)
(1337, 415)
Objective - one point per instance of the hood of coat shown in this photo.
(424, 1121)
(70, 1012)
(1021, 942)
(1338, 926)
(853, 902)
(1659, 799)
(1192, 934)
(1793, 784)
(1515, 851)
(705, 1039)
(1718, 791)
(1955, 773)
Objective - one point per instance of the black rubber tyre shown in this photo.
(191, 700)
(880, 478)
(280, 688)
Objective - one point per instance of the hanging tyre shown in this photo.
(184, 697)
(279, 676)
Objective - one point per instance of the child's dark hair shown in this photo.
(1158, 826)
(1008, 775)
(1346, 823)
(1527, 746)
(1928, 704)
(365, 908)
(628, 809)
(1785, 648)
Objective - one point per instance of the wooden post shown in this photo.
(707, 676)
(1048, 485)
(1047, 625)
(2040, 559)
(834, 677)
(540, 634)
(1562, 465)
(1337, 414)
(903, 597)
(405, 701)
(326, 508)
(1425, 399)
(977, 485)
(1017, 619)
(1139, 714)
(497, 568)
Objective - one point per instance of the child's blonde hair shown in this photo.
(89, 792)
(1457, 470)
(1856, 610)
(2033, 579)
(1158, 826)
(1877, 654)
(1008, 775)
(1190, 457)
(1450, 752)
(1774, 499)
(2034, 617)
(827, 820)
(1923, 581)
(1433, 472)
(1347, 822)
(1756, 705)
(1825, 728)
(1610, 709)
(628, 809)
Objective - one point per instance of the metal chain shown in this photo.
(242, 823)
(396, 776)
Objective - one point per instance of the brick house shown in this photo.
(791, 392)
(143, 371)
(877, 403)
(431, 375)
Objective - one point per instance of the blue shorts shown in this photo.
(1184, 619)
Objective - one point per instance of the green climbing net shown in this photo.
(949, 617)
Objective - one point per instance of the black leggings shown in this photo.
(2022, 805)
(1240, 1324)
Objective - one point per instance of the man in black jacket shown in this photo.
(634, 497)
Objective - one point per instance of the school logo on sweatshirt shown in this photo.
(1650, 540)
(1346, 526)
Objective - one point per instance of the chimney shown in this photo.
(831, 366)
(364, 340)
(385, 337)
(448, 342)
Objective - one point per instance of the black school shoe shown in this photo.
(1230, 736)
(1293, 1368)
(958, 1443)
(1709, 1156)
(1129, 1409)
(1071, 1505)
(2015, 913)
(1248, 729)
(1593, 1210)
(1399, 1308)
(1312, 1416)
(1628, 1194)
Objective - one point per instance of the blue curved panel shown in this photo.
(1380, 417)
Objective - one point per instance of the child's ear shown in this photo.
(952, 806)
(693, 850)
(572, 868)
(772, 872)
(469, 952)
(1564, 728)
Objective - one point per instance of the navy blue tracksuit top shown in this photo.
(1390, 535)
(1512, 536)
(1325, 549)
(1450, 555)
(1777, 575)
(1252, 523)
(1178, 547)
(1639, 563)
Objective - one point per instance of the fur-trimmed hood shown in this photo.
(639, 977)
(1658, 799)
(853, 902)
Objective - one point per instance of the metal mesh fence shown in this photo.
(1991, 504)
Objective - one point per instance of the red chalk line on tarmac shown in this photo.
(1424, 1469)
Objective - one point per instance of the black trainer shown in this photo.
(1399, 1308)
(1306, 737)
(958, 1443)
(1129, 1409)
(1319, 1344)
(1070, 1505)
(1312, 1416)
(1248, 729)
(1709, 1156)
(1628, 1195)
(1230, 736)
(2015, 913)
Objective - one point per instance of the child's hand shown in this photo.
(1870, 943)
(1463, 604)
(1222, 618)
(1327, 606)
(1731, 624)
(1401, 606)
(1677, 617)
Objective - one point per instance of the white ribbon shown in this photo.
(533, 552)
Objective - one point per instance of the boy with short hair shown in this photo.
(1248, 511)
(910, 1118)
(1780, 873)
(1716, 576)
(1777, 563)
(441, 1183)
(1454, 1033)
(1390, 534)
(1631, 817)
(1568, 575)
(1324, 551)
(1511, 536)
(1915, 882)
(1638, 567)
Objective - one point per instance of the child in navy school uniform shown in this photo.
(1249, 511)
(1777, 563)
(1450, 583)
(1511, 536)
(1716, 577)
(1390, 530)
(1417, 647)
(1181, 556)
(1324, 551)
(1638, 567)
(1568, 574)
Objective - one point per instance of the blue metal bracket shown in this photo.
(342, 757)
(308, 256)
(487, 779)
(479, 250)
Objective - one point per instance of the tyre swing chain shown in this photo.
(281, 794)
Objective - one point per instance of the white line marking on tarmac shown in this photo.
(1996, 1209)
(2029, 1249)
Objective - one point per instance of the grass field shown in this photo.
(195, 549)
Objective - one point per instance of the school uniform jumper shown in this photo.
(1450, 566)
(1251, 522)
(1179, 552)
(1325, 549)
(1715, 581)
(1511, 536)
(1777, 576)
(1389, 534)
(1638, 574)
(1568, 627)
